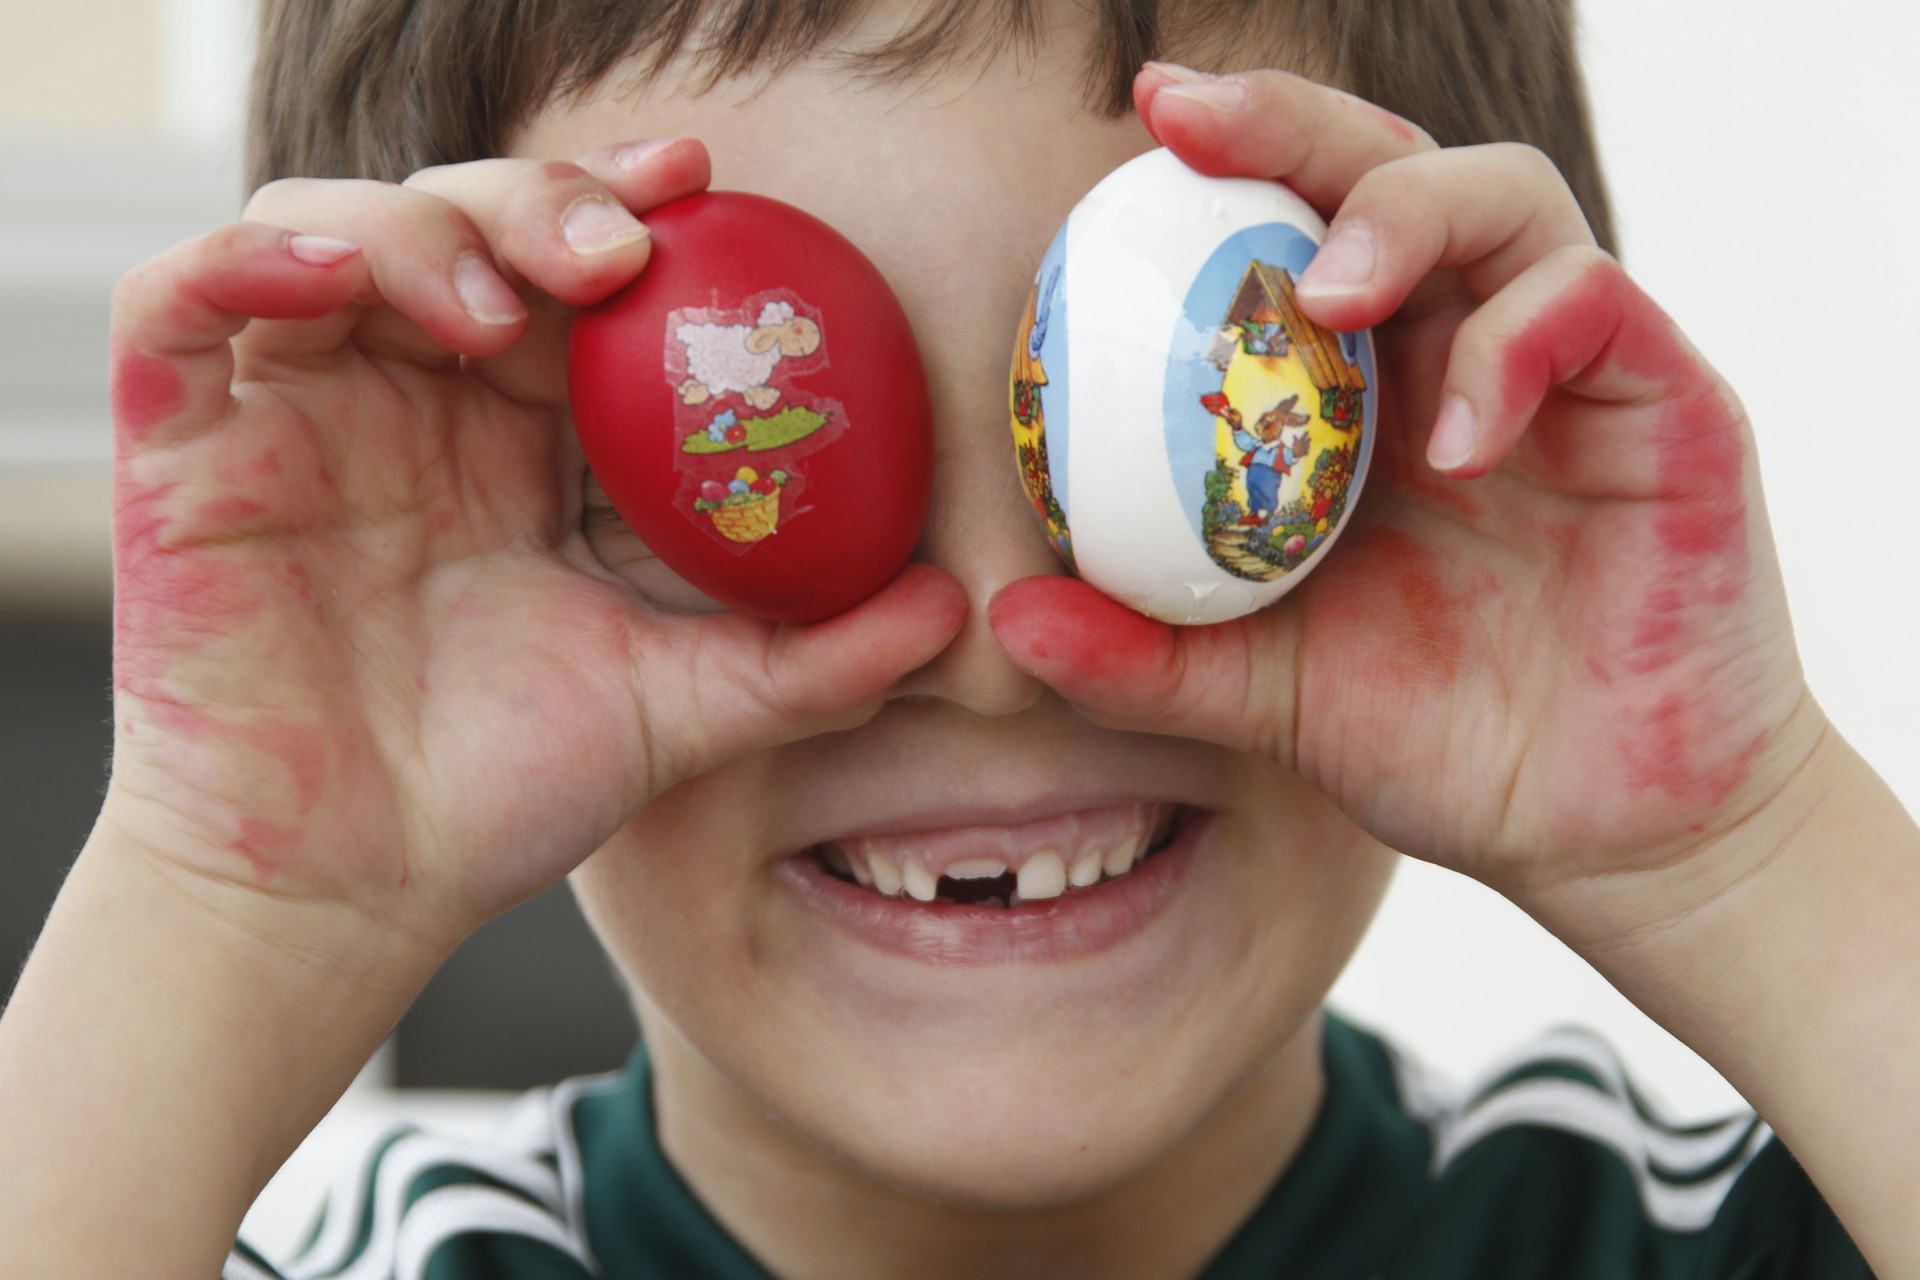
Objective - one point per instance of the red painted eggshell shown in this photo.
(760, 345)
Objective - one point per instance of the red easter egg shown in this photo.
(753, 308)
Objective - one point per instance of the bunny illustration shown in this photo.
(1267, 456)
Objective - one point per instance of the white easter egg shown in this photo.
(1192, 441)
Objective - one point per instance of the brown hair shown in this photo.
(380, 88)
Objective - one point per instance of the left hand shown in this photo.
(1555, 644)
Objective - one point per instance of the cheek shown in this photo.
(671, 895)
(1305, 882)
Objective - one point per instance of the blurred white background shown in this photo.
(1768, 197)
(1762, 165)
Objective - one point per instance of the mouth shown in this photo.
(1048, 889)
(1005, 867)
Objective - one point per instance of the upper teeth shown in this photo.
(976, 869)
(1042, 875)
(886, 877)
(921, 883)
(1119, 859)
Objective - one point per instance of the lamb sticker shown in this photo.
(739, 357)
(734, 372)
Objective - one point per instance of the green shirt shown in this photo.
(1553, 1170)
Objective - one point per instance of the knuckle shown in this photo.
(1530, 160)
(1271, 86)
(1580, 259)
(283, 196)
(133, 289)
(425, 215)
(1395, 185)
(565, 172)
(271, 195)
(459, 175)
(226, 240)
(431, 177)
(173, 270)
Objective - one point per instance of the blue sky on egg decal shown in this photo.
(1216, 438)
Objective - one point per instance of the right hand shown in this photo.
(364, 654)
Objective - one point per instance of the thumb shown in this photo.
(747, 684)
(1229, 684)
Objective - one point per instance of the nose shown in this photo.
(982, 530)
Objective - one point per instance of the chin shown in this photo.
(1019, 1149)
(1006, 1002)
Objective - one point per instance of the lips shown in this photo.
(1053, 888)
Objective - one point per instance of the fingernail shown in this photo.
(1221, 95)
(1342, 265)
(593, 225)
(635, 154)
(1455, 432)
(1179, 74)
(483, 293)
(320, 251)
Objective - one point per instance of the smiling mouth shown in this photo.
(1005, 867)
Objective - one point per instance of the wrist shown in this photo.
(347, 901)
(170, 1041)
(1791, 964)
(291, 930)
(1656, 892)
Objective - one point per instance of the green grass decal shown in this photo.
(774, 431)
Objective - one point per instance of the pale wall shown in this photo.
(1767, 188)
(80, 62)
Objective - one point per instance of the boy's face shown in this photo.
(981, 1055)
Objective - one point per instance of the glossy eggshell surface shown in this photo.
(1192, 442)
(755, 406)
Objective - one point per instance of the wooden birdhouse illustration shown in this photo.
(1265, 320)
(1288, 421)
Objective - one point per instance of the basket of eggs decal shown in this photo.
(747, 507)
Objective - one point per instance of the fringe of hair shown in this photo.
(381, 88)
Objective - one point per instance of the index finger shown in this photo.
(568, 228)
(175, 315)
(1273, 124)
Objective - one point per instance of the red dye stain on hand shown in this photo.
(266, 846)
(1386, 617)
(1393, 124)
(146, 392)
(1694, 564)
(1606, 324)
(1401, 468)
(165, 596)
(301, 748)
(232, 509)
(1088, 647)
(1666, 754)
